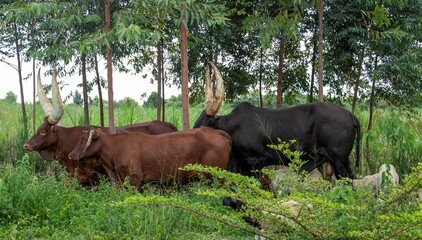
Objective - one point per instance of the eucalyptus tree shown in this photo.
(17, 20)
(277, 21)
(347, 37)
(109, 69)
(125, 33)
(185, 14)
(356, 30)
(397, 42)
(231, 49)
(374, 47)
(13, 27)
(394, 64)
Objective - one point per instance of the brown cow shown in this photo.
(154, 158)
(54, 142)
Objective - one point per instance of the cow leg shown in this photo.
(237, 165)
(340, 163)
(113, 176)
(135, 181)
(313, 163)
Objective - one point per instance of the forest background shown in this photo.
(363, 55)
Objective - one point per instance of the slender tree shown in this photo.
(320, 49)
(100, 92)
(109, 71)
(163, 79)
(34, 107)
(84, 89)
(184, 72)
(280, 75)
(159, 78)
(19, 65)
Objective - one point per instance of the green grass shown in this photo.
(36, 206)
(396, 138)
(38, 200)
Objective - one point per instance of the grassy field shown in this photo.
(38, 200)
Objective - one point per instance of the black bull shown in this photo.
(323, 131)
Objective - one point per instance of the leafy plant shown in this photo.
(338, 212)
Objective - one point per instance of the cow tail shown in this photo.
(356, 123)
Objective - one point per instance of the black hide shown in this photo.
(324, 132)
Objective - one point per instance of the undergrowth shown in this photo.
(337, 210)
(39, 206)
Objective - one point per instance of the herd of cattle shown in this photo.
(154, 151)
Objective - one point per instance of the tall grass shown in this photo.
(38, 200)
(35, 206)
(396, 138)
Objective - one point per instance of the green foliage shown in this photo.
(127, 102)
(175, 101)
(151, 101)
(395, 139)
(10, 97)
(28, 184)
(44, 206)
(335, 212)
(77, 98)
(285, 148)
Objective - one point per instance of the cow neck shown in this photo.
(65, 144)
(221, 123)
(107, 153)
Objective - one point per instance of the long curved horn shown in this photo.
(208, 89)
(89, 141)
(213, 100)
(58, 108)
(45, 103)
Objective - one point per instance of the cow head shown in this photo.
(46, 135)
(88, 145)
(214, 96)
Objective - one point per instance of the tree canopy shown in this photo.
(363, 40)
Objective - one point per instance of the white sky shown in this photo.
(124, 85)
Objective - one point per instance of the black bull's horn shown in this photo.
(53, 112)
(213, 99)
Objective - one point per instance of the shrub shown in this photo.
(325, 210)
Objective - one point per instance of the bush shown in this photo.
(322, 210)
(338, 211)
(11, 97)
(39, 206)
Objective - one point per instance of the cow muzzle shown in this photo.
(28, 147)
(74, 157)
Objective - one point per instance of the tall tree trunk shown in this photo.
(34, 105)
(356, 89)
(85, 89)
(109, 73)
(320, 58)
(260, 77)
(371, 111)
(100, 93)
(159, 75)
(280, 73)
(313, 60)
(184, 73)
(18, 54)
(163, 82)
